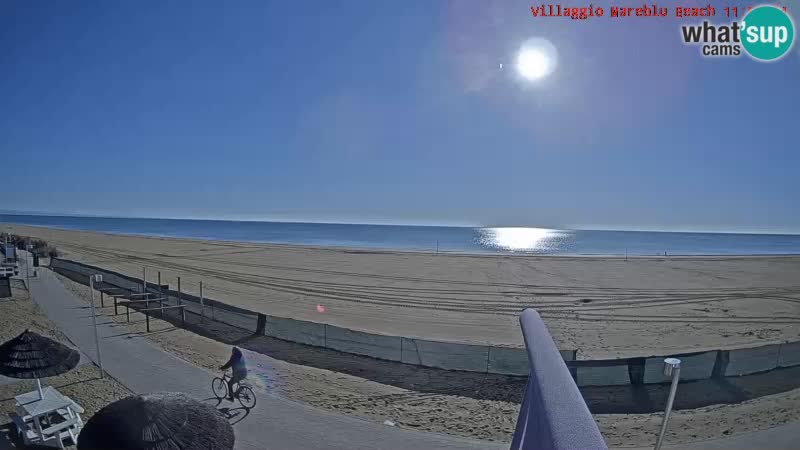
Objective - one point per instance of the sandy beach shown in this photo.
(473, 405)
(479, 406)
(604, 307)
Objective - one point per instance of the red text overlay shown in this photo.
(591, 11)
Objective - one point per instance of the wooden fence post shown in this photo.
(721, 364)
(261, 324)
(636, 370)
(160, 289)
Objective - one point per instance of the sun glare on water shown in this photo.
(518, 238)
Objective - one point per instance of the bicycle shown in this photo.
(244, 393)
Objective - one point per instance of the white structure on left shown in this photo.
(8, 261)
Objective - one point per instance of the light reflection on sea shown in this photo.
(519, 239)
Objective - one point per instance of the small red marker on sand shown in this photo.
(320, 309)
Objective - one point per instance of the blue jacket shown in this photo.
(237, 363)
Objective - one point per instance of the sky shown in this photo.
(406, 112)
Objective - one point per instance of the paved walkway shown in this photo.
(8, 380)
(274, 423)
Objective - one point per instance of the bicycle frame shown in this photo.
(227, 375)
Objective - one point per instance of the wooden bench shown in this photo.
(162, 308)
(109, 291)
(127, 304)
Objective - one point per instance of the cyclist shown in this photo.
(239, 369)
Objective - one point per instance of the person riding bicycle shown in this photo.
(239, 369)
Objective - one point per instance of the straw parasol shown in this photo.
(31, 355)
(160, 421)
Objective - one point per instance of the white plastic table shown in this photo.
(32, 407)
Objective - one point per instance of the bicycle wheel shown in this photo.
(219, 387)
(246, 397)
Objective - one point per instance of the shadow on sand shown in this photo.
(600, 399)
(9, 439)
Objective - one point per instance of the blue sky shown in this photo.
(389, 112)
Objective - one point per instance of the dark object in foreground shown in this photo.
(31, 355)
(553, 414)
(160, 421)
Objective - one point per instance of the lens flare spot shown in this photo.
(259, 382)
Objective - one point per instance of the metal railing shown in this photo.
(553, 414)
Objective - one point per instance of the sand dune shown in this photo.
(603, 306)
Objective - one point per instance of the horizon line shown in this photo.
(323, 222)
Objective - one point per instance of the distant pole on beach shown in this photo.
(144, 279)
(27, 264)
(437, 246)
(202, 306)
(626, 253)
(99, 279)
(179, 291)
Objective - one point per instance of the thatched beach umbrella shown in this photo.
(31, 355)
(160, 421)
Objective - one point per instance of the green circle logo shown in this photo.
(767, 33)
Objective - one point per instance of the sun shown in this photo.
(536, 59)
(532, 64)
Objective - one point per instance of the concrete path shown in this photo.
(8, 380)
(274, 422)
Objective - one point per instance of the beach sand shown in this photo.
(604, 307)
(488, 414)
(444, 401)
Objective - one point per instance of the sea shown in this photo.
(435, 238)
